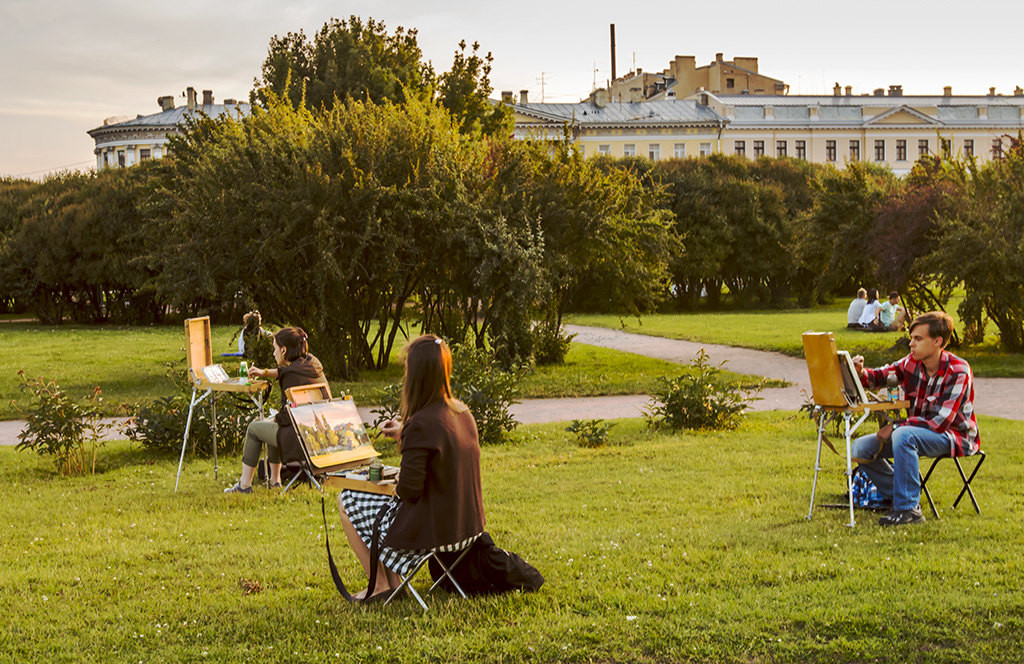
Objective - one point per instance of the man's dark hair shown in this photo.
(940, 324)
(893, 294)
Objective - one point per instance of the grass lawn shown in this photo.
(780, 331)
(657, 548)
(131, 365)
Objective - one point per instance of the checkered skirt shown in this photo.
(362, 509)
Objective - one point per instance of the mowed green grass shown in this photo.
(131, 365)
(657, 548)
(780, 330)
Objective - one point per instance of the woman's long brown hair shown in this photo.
(428, 370)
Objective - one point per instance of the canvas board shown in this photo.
(332, 432)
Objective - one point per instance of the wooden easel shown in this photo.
(833, 392)
(199, 355)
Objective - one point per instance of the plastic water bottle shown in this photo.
(243, 371)
(893, 385)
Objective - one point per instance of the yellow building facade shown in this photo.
(656, 130)
(891, 130)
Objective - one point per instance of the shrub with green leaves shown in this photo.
(479, 382)
(590, 433)
(58, 426)
(160, 424)
(701, 399)
(551, 343)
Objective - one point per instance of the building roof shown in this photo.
(172, 118)
(868, 100)
(586, 114)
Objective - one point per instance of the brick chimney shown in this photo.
(190, 98)
(207, 97)
(166, 102)
(524, 96)
(947, 91)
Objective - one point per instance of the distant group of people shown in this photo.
(868, 314)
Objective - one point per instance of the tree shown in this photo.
(606, 234)
(465, 90)
(903, 234)
(981, 244)
(329, 220)
(831, 238)
(348, 59)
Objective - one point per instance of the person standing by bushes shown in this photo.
(250, 334)
(295, 366)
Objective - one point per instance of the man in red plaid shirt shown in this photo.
(940, 388)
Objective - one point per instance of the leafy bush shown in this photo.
(60, 427)
(479, 382)
(590, 433)
(160, 425)
(551, 343)
(699, 400)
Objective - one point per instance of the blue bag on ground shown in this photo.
(865, 493)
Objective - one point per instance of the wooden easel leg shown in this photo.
(849, 466)
(817, 462)
(184, 441)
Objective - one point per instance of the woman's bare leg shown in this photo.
(386, 579)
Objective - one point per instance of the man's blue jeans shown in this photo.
(900, 481)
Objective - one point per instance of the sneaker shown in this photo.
(275, 485)
(902, 517)
(237, 488)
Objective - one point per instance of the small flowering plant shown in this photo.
(67, 430)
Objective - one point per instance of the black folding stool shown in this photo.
(966, 480)
(447, 574)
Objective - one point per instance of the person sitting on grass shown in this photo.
(439, 505)
(856, 308)
(295, 366)
(941, 422)
(870, 312)
(890, 316)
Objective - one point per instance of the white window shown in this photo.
(654, 151)
(629, 150)
(604, 149)
(705, 149)
(679, 151)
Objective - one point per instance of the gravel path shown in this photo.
(1001, 397)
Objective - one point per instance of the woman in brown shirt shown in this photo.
(295, 366)
(440, 503)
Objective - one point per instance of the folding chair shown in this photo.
(447, 574)
(966, 480)
(296, 396)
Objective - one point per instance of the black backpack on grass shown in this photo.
(487, 570)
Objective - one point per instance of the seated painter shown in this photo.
(439, 505)
(941, 422)
(295, 366)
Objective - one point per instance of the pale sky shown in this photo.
(65, 65)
